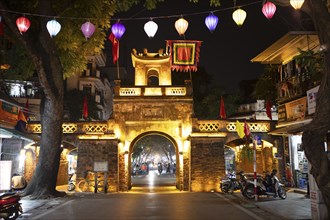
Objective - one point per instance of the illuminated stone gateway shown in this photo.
(154, 108)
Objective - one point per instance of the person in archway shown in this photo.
(160, 168)
(168, 168)
(174, 168)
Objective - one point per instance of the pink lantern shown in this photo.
(23, 24)
(268, 9)
(88, 29)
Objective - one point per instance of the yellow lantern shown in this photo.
(181, 25)
(296, 4)
(239, 16)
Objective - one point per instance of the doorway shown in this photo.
(153, 164)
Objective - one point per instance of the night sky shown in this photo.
(225, 53)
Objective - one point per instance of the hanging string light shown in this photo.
(150, 28)
(268, 9)
(53, 27)
(239, 16)
(88, 29)
(211, 22)
(118, 30)
(23, 24)
(297, 4)
(181, 25)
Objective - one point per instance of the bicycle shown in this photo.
(87, 184)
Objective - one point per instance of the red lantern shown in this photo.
(23, 24)
(268, 10)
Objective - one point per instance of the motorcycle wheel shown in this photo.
(71, 187)
(249, 192)
(13, 215)
(224, 187)
(281, 193)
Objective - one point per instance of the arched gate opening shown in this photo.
(153, 162)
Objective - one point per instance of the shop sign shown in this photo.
(5, 174)
(281, 113)
(311, 101)
(296, 110)
(100, 166)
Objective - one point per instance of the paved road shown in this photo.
(159, 199)
(147, 206)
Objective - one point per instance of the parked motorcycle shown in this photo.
(10, 207)
(72, 182)
(232, 184)
(263, 190)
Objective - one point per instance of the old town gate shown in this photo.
(153, 106)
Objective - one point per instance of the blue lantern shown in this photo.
(211, 22)
(118, 30)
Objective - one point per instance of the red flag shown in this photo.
(269, 109)
(85, 108)
(115, 47)
(222, 109)
(246, 129)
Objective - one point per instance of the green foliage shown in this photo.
(312, 63)
(265, 88)
(20, 67)
(246, 154)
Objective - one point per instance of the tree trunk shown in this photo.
(42, 51)
(315, 133)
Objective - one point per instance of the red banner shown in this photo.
(184, 54)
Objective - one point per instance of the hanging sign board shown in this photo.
(100, 166)
(5, 174)
(311, 101)
(296, 110)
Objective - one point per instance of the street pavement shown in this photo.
(156, 201)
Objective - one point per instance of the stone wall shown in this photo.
(207, 163)
(98, 150)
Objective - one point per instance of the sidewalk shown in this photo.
(296, 206)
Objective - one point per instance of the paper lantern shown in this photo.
(211, 22)
(181, 25)
(118, 30)
(88, 29)
(23, 24)
(53, 27)
(239, 16)
(297, 4)
(150, 28)
(268, 9)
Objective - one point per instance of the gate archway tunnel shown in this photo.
(153, 162)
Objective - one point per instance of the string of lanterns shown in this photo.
(151, 27)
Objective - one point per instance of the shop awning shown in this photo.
(8, 133)
(283, 50)
(288, 130)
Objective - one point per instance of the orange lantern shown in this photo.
(23, 24)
